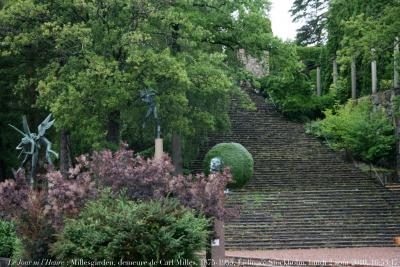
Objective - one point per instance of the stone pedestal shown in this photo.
(218, 245)
(158, 148)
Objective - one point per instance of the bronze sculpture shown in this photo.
(148, 96)
(31, 143)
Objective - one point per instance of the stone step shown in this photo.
(286, 244)
(302, 193)
(322, 222)
(275, 229)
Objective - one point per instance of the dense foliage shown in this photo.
(357, 30)
(236, 157)
(86, 62)
(314, 15)
(8, 239)
(120, 230)
(291, 85)
(367, 134)
(41, 214)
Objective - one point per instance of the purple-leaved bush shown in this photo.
(142, 179)
(39, 212)
(13, 195)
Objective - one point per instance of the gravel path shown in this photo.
(355, 256)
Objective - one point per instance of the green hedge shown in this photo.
(113, 229)
(234, 156)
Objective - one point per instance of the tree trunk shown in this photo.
(65, 153)
(2, 164)
(177, 153)
(2, 170)
(176, 138)
(113, 127)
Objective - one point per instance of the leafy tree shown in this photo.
(313, 14)
(89, 60)
(355, 28)
(290, 87)
(313, 57)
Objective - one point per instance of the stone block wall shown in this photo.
(384, 100)
(258, 68)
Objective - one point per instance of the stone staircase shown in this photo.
(302, 194)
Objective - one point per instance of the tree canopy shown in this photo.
(86, 62)
(355, 30)
(313, 15)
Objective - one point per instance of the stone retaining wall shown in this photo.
(258, 68)
(384, 99)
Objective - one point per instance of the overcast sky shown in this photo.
(282, 24)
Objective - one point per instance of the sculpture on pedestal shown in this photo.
(148, 96)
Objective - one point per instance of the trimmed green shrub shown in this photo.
(8, 239)
(368, 134)
(116, 228)
(236, 157)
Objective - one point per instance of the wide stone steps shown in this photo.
(307, 244)
(302, 193)
(262, 228)
(296, 186)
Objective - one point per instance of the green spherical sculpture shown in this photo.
(236, 157)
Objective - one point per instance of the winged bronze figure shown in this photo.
(31, 143)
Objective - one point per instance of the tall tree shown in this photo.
(90, 59)
(312, 13)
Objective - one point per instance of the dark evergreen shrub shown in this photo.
(116, 228)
